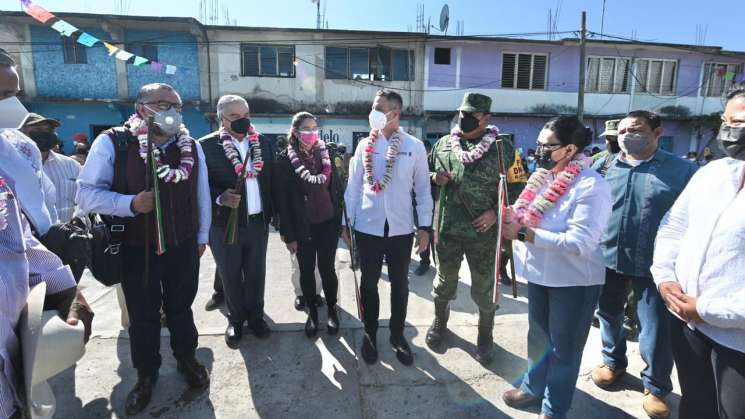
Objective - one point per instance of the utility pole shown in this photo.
(581, 93)
(318, 14)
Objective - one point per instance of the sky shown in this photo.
(648, 20)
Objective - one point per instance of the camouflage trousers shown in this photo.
(480, 256)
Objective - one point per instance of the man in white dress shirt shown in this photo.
(699, 268)
(241, 265)
(385, 169)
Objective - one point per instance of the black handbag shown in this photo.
(107, 259)
(107, 256)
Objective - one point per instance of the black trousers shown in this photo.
(712, 377)
(242, 268)
(397, 252)
(321, 247)
(173, 282)
(217, 284)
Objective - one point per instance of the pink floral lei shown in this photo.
(138, 128)
(390, 159)
(530, 207)
(235, 157)
(465, 157)
(303, 172)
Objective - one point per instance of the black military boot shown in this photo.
(485, 342)
(436, 332)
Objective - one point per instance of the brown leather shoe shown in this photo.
(518, 399)
(654, 406)
(603, 376)
(139, 397)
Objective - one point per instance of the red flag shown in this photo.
(39, 13)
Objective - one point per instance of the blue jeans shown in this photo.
(559, 320)
(654, 329)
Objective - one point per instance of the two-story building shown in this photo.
(531, 81)
(87, 89)
(331, 73)
(335, 74)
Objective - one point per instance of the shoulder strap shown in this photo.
(120, 137)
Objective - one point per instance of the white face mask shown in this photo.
(378, 120)
(12, 113)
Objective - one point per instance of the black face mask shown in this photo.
(613, 147)
(241, 126)
(45, 140)
(543, 158)
(468, 123)
(732, 141)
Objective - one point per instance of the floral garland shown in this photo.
(466, 157)
(231, 152)
(138, 128)
(4, 197)
(390, 159)
(303, 172)
(530, 207)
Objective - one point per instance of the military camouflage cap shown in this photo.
(611, 127)
(475, 102)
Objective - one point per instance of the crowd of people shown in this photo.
(631, 232)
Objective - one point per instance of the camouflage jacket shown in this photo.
(477, 183)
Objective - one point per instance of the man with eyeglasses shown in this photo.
(465, 165)
(113, 183)
(240, 163)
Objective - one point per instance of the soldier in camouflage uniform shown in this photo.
(465, 219)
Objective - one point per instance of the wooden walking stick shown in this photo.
(231, 231)
(352, 265)
(503, 201)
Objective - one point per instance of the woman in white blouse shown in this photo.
(558, 221)
(699, 268)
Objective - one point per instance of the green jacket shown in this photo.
(477, 183)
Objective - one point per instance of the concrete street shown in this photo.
(291, 376)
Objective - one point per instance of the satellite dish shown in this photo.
(444, 18)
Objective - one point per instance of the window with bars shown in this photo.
(379, 64)
(715, 82)
(607, 75)
(267, 61)
(524, 71)
(657, 77)
(74, 53)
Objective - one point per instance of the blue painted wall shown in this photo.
(175, 48)
(84, 118)
(54, 78)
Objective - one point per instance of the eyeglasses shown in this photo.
(165, 106)
(548, 146)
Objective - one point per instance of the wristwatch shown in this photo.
(522, 234)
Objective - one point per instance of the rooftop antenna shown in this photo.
(318, 13)
(444, 19)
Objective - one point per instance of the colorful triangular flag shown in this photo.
(87, 39)
(39, 13)
(112, 49)
(170, 69)
(140, 60)
(740, 78)
(124, 55)
(64, 28)
(729, 75)
(156, 66)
